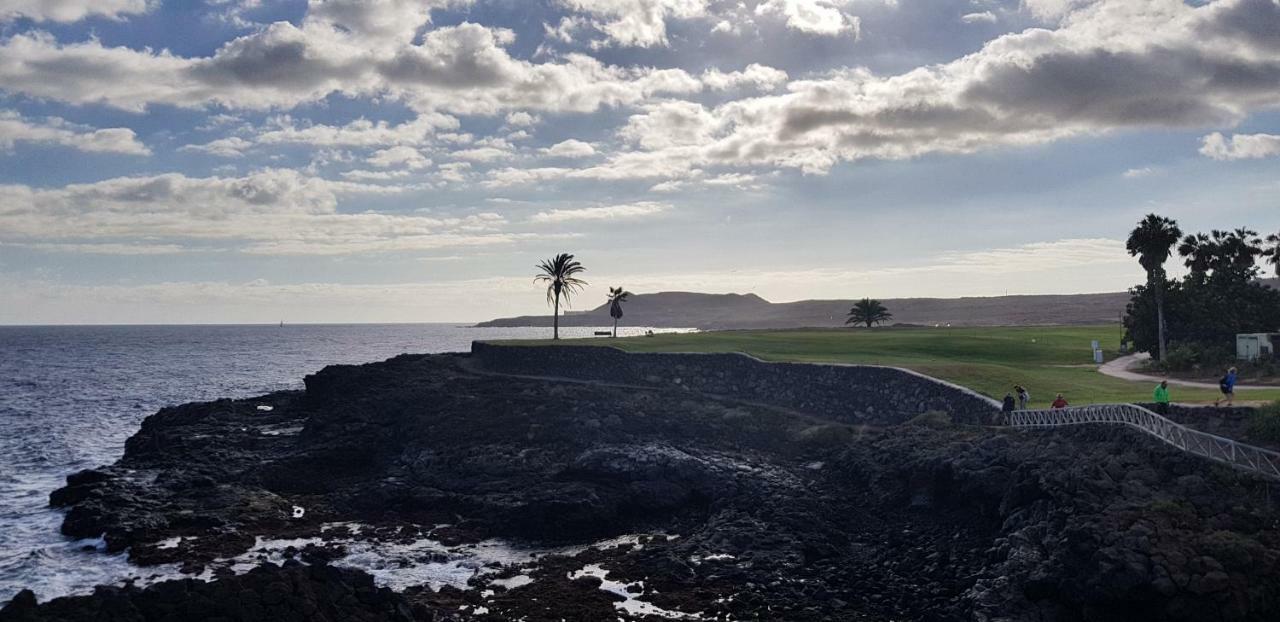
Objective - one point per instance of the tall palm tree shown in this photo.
(1152, 242)
(1273, 251)
(868, 311)
(617, 296)
(560, 275)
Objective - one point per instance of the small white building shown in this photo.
(1251, 346)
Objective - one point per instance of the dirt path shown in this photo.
(1120, 368)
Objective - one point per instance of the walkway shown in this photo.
(1221, 449)
(1245, 457)
(1119, 368)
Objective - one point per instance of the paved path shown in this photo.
(1120, 368)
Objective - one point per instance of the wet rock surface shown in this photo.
(294, 593)
(757, 511)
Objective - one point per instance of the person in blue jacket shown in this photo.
(1228, 387)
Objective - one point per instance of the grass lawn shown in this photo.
(1047, 360)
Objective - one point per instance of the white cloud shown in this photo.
(754, 76)
(462, 69)
(14, 128)
(981, 17)
(1240, 146)
(521, 118)
(407, 157)
(571, 148)
(454, 172)
(377, 22)
(630, 211)
(1053, 10)
(1113, 65)
(269, 212)
(363, 175)
(818, 17)
(70, 10)
(104, 248)
(230, 147)
(669, 124)
(641, 23)
(358, 133)
(1135, 173)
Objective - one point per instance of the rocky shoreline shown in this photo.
(654, 500)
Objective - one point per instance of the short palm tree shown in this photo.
(560, 275)
(1198, 251)
(1152, 242)
(1273, 251)
(868, 311)
(617, 296)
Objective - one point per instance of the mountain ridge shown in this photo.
(747, 311)
(750, 311)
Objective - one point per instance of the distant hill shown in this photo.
(742, 311)
(739, 311)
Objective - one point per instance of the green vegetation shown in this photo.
(1046, 360)
(617, 296)
(868, 311)
(1152, 243)
(560, 275)
(1200, 314)
(1265, 424)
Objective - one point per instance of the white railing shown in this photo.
(1239, 455)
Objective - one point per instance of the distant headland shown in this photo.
(743, 311)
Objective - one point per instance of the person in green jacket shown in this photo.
(1161, 396)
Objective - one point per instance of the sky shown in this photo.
(229, 161)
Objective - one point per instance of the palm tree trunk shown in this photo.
(1160, 319)
(1155, 280)
(615, 328)
(555, 318)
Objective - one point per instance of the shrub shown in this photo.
(1264, 425)
(1195, 357)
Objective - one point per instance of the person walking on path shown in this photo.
(1161, 397)
(1060, 402)
(1006, 407)
(1024, 396)
(1228, 387)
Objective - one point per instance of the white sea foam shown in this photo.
(631, 603)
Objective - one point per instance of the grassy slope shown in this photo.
(1046, 360)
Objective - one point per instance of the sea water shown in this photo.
(71, 395)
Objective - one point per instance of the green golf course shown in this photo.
(1045, 359)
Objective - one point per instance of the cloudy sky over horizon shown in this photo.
(411, 160)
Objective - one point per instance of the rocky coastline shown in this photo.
(646, 489)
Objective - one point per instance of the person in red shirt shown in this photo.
(1060, 402)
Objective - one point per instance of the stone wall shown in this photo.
(849, 393)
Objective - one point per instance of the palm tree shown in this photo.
(1198, 251)
(868, 311)
(617, 296)
(1273, 251)
(559, 273)
(1152, 242)
(1225, 254)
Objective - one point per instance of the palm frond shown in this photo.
(558, 274)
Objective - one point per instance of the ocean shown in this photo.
(71, 395)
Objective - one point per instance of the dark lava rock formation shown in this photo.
(757, 510)
(294, 593)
